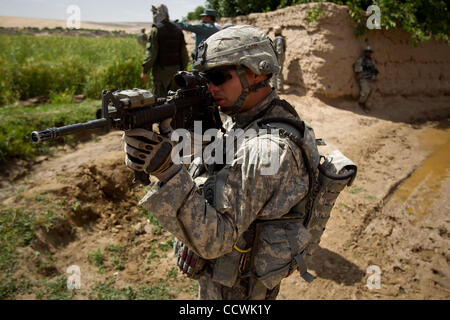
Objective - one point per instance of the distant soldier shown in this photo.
(366, 73)
(166, 52)
(280, 50)
(202, 30)
(142, 38)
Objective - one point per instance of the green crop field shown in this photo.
(58, 67)
(33, 66)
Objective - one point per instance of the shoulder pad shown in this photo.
(300, 133)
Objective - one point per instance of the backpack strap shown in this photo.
(295, 131)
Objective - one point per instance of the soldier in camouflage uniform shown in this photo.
(142, 38)
(280, 50)
(366, 73)
(232, 221)
(166, 52)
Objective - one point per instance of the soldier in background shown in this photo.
(166, 52)
(280, 49)
(142, 38)
(366, 73)
(202, 30)
(233, 222)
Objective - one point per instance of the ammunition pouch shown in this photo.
(189, 263)
(278, 251)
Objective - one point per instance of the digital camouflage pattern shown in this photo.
(280, 49)
(366, 68)
(366, 89)
(242, 194)
(239, 45)
(366, 73)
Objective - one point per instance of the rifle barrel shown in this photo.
(53, 133)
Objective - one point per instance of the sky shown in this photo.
(96, 10)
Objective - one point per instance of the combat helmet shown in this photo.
(240, 46)
(277, 30)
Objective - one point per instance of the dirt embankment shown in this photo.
(413, 83)
(394, 217)
(320, 54)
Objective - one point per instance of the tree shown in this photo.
(423, 19)
(195, 15)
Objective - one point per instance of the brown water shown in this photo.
(423, 188)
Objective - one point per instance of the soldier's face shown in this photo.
(226, 93)
(206, 19)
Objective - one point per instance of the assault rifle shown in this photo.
(130, 109)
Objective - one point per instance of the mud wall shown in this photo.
(320, 54)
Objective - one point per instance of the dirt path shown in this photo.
(394, 217)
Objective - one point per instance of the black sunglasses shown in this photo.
(219, 76)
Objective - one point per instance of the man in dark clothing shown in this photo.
(166, 52)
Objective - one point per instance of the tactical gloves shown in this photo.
(149, 152)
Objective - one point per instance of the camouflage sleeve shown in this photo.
(247, 190)
(151, 50)
(358, 65)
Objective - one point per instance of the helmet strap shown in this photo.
(246, 90)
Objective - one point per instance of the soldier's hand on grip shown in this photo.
(149, 152)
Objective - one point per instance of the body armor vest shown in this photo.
(170, 42)
(304, 224)
(368, 67)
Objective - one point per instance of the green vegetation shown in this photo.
(195, 15)
(356, 190)
(117, 260)
(97, 258)
(42, 279)
(55, 290)
(16, 230)
(113, 254)
(18, 122)
(107, 291)
(43, 66)
(423, 19)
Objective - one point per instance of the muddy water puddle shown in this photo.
(420, 192)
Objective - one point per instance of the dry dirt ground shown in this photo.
(394, 220)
